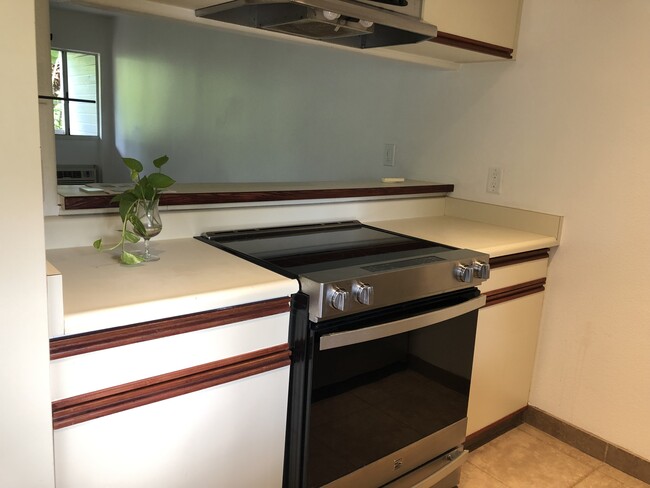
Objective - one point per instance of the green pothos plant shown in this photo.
(146, 189)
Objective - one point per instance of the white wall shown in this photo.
(569, 124)
(25, 415)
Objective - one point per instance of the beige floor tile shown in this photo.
(627, 480)
(561, 446)
(473, 477)
(521, 460)
(598, 479)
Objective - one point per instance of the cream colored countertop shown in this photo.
(491, 239)
(190, 277)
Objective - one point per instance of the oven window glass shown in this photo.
(374, 398)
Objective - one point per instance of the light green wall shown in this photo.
(227, 107)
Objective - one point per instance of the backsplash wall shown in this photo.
(227, 107)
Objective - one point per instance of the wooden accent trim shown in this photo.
(104, 201)
(492, 431)
(522, 257)
(62, 347)
(89, 406)
(513, 292)
(472, 45)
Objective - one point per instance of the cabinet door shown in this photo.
(231, 435)
(492, 21)
(506, 341)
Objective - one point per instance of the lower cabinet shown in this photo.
(506, 338)
(192, 401)
(231, 435)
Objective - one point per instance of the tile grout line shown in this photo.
(586, 476)
(491, 475)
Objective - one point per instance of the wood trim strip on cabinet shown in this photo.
(472, 45)
(104, 201)
(513, 292)
(89, 406)
(522, 257)
(66, 346)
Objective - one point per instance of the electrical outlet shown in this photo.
(389, 154)
(494, 180)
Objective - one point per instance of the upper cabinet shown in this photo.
(469, 30)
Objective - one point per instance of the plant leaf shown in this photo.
(127, 205)
(160, 161)
(159, 180)
(128, 258)
(138, 226)
(145, 189)
(98, 244)
(133, 165)
(131, 237)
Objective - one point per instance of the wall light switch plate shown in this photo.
(389, 154)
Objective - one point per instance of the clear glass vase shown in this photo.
(149, 216)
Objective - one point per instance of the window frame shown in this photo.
(65, 99)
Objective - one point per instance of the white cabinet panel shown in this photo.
(93, 371)
(492, 21)
(506, 341)
(506, 276)
(231, 435)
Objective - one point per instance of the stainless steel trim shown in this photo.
(397, 28)
(400, 282)
(340, 339)
(408, 460)
(437, 478)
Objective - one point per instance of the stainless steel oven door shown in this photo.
(391, 397)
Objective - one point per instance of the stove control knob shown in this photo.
(363, 293)
(338, 298)
(481, 270)
(464, 273)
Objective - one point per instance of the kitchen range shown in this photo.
(382, 337)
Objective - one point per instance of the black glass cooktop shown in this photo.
(297, 250)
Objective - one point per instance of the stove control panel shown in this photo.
(357, 289)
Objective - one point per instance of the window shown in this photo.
(74, 84)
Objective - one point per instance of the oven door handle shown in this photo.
(347, 338)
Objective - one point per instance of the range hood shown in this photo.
(359, 24)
